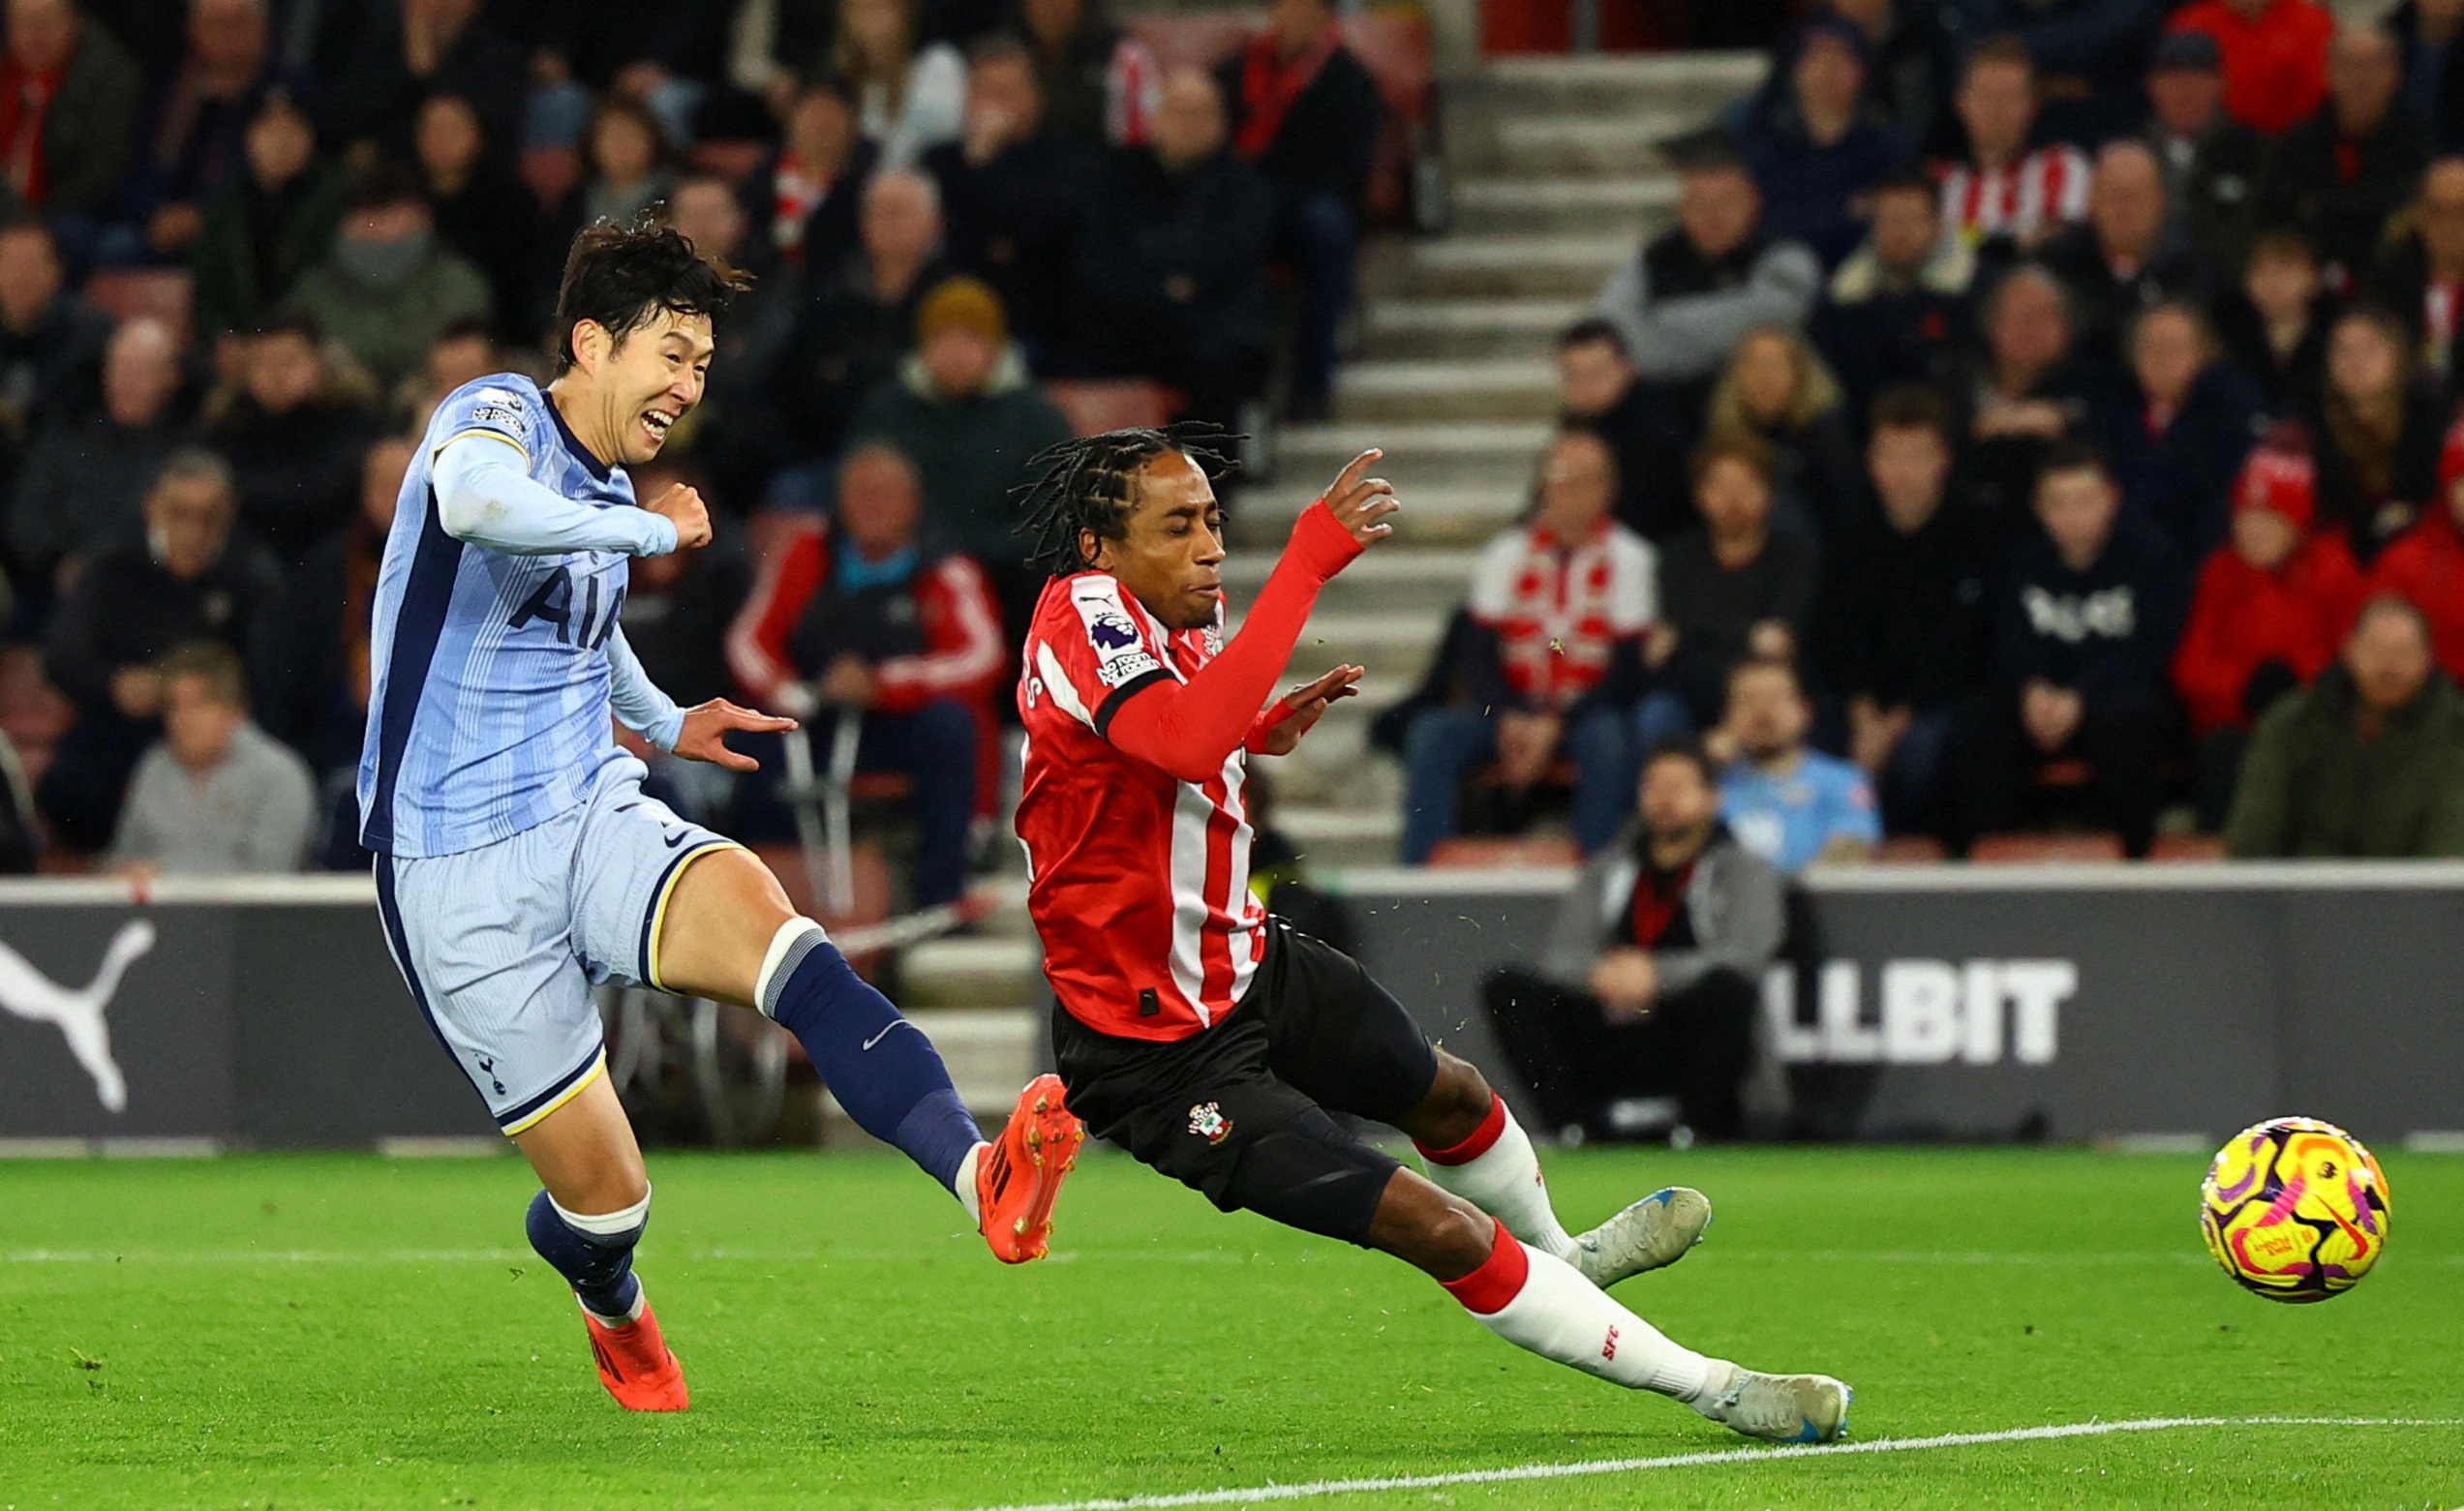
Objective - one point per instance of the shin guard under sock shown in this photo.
(1537, 1301)
(1497, 1170)
(594, 1252)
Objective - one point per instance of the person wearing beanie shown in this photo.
(2269, 610)
(961, 405)
(1819, 154)
(2425, 564)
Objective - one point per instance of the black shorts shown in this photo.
(1239, 1110)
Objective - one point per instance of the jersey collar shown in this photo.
(573, 443)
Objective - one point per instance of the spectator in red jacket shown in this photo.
(2425, 564)
(870, 621)
(2270, 608)
(2275, 55)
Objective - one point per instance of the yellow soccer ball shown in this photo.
(2295, 1209)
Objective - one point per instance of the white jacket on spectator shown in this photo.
(256, 812)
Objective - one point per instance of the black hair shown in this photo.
(380, 185)
(2072, 456)
(1909, 181)
(620, 277)
(1689, 749)
(1085, 484)
(1587, 331)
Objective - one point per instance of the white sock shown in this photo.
(964, 1185)
(1557, 1314)
(1504, 1181)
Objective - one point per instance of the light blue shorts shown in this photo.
(502, 943)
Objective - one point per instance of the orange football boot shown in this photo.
(1019, 1174)
(635, 1364)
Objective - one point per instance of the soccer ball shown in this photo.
(2295, 1209)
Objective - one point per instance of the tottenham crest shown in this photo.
(1208, 1121)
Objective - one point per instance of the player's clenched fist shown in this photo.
(684, 507)
(1361, 502)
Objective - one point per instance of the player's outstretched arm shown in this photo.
(1191, 728)
(484, 497)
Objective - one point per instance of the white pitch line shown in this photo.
(1678, 1461)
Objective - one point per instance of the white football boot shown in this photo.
(1783, 1408)
(1652, 1232)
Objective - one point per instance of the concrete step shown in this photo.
(1398, 577)
(1343, 834)
(975, 972)
(1420, 455)
(1634, 204)
(1434, 516)
(1559, 265)
(1532, 144)
(1611, 81)
(1472, 388)
(1427, 328)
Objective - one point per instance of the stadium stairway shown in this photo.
(1556, 175)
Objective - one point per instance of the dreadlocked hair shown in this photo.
(1085, 484)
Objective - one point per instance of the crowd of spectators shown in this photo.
(946, 205)
(2050, 424)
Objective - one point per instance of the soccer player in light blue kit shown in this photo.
(517, 858)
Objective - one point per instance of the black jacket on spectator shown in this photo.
(1077, 83)
(1999, 473)
(126, 609)
(83, 488)
(1810, 192)
(297, 471)
(2343, 215)
(2103, 299)
(52, 374)
(254, 245)
(1875, 336)
(303, 683)
(1653, 496)
(1171, 267)
(2398, 281)
(2107, 633)
(1713, 608)
(480, 65)
(2180, 478)
(680, 630)
(2287, 385)
(847, 343)
(89, 134)
(1328, 142)
(493, 222)
(2212, 193)
(1012, 221)
(2445, 120)
(1816, 466)
(1908, 619)
(2374, 519)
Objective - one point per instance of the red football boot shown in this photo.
(1019, 1174)
(635, 1364)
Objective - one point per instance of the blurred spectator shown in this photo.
(627, 157)
(1653, 972)
(1599, 390)
(2212, 162)
(218, 796)
(1791, 804)
(1777, 390)
(1732, 589)
(862, 319)
(909, 99)
(2027, 393)
(814, 183)
(2126, 258)
(386, 287)
(267, 225)
(2425, 564)
(869, 622)
(2367, 761)
(291, 433)
(1172, 257)
(1012, 193)
(2338, 176)
(2377, 432)
(678, 607)
(1698, 287)
(2425, 35)
(69, 102)
(1901, 299)
(198, 139)
(2004, 189)
(2274, 328)
(964, 415)
(482, 213)
(409, 49)
(462, 351)
(312, 662)
(2178, 432)
(1306, 112)
(2080, 714)
(2088, 55)
(84, 482)
(128, 607)
(2274, 53)
(1818, 153)
(736, 432)
(1907, 627)
(2419, 273)
(2271, 608)
(1559, 609)
(1100, 83)
(50, 341)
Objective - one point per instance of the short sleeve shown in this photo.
(1093, 650)
(502, 407)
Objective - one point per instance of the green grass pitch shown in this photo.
(281, 1331)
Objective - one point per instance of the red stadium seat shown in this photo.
(1198, 41)
(1094, 406)
(2045, 849)
(1393, 45)
(1465, 853)
(732, 161)
(2187, 848)
(126, 293)
(1910, 850)
(551, 173)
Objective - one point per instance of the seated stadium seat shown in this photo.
(125, 294)
(1910, 850)
(1094, 406)
(1465, 853)
(732, 161)
(550, 173)
(2187, 848)
(2045, 849)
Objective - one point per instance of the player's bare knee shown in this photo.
(1457, 1102)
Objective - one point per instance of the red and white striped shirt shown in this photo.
(1560, 609)
(1139, 881)
(2043, 191)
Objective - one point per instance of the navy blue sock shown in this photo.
(879, 1066)
(598, 1266)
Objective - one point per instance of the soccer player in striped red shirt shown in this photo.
(1212, 1039)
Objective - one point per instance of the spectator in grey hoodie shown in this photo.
(1653, 972)
(218, 796)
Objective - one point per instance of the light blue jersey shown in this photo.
(494, 666)
(1787, 820)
